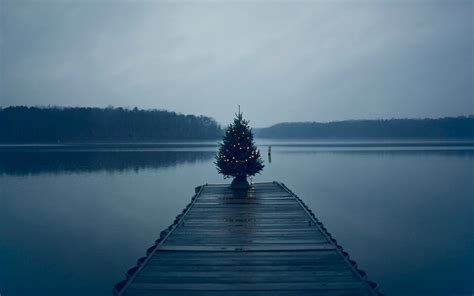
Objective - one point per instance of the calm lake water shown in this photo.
(74, 219)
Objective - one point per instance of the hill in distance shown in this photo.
(449, 128)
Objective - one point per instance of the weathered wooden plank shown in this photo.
(239, 226)
(251, 219)
(249, 206)
(239, 247)
(260, 233)
(299, 275)
(140, 292)
(252, 269)
(276, 212)
(248, 236)
(221, 277)
(332, 255)
(248, 239)
(277, 257)
(249, 286)
(268, 261)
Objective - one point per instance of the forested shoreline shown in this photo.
(442, 128)
(112, 125)
(71, 125)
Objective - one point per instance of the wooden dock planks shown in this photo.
(263, 241)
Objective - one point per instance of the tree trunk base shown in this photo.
(240, 183)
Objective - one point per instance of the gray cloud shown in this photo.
(282, 61)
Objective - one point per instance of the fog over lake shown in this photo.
(74, 219)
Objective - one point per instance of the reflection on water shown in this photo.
(79, 216)
(38, 162)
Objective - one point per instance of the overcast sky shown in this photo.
(294, 61)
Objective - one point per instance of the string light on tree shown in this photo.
(238, 155)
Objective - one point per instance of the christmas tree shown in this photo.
(238, 156)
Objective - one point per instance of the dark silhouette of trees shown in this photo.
(74, 125)
(52, 125)
(443, 128)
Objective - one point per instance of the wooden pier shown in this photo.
(263, 241)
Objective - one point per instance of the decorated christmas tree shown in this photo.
(238, 156)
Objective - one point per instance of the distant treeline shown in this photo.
(443, 128)
(52, 125)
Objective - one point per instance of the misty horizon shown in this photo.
(282, 62)
(224, 124)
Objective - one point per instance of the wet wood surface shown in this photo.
(263, 241)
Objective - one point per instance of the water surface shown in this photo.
(74, 218)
